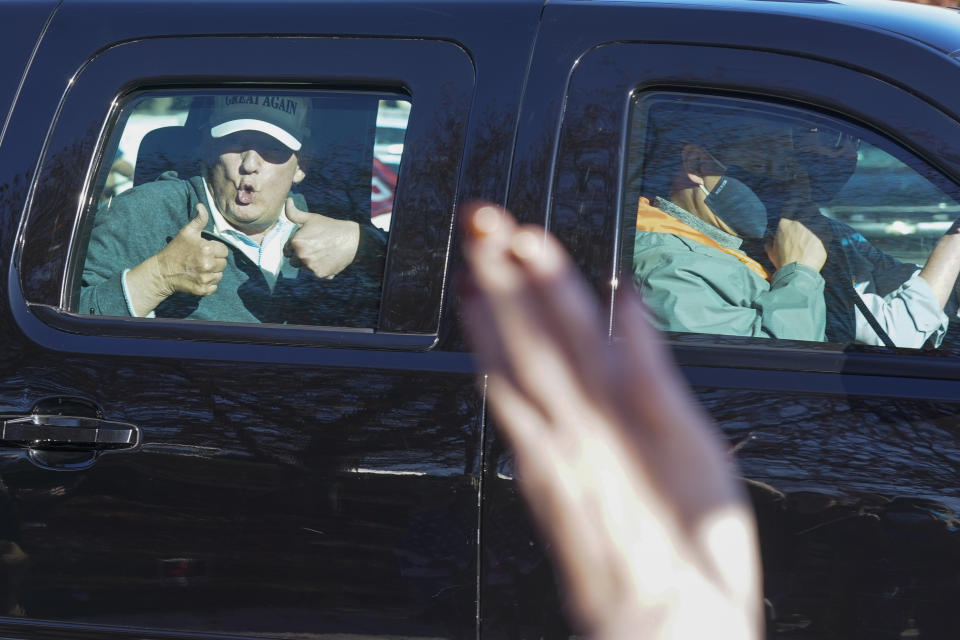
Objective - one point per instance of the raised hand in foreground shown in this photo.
(625, 476)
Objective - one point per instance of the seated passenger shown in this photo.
(233, 244)
(872, 298)
(688, 263)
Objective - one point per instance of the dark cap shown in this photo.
(281, 117)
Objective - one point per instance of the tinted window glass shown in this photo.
(253, 205)
(766, 221)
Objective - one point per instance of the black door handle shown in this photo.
(68, 433)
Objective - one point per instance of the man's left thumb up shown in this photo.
(295, 215)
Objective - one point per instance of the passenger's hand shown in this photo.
(794, 242)
(324, 245)
(622, 471)
(190, 263)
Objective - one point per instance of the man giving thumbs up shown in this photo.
(189, 264)
(232, 244)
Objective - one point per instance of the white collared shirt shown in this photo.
(268, 253)
(910, 314)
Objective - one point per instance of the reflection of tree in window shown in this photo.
(773, 189)
(249, 254)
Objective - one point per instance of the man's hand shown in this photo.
(794, 242)
(188, 264)
(324, 245)
(623, 472)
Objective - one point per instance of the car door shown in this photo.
(849, 452)
(174, 477)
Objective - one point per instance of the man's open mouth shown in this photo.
(245, 194)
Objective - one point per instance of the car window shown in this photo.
(243, 205)
(761, 220)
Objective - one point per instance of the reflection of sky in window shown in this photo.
(141, 122)
(392, 119)
(882, 180)
(152, 111)
(892, 205)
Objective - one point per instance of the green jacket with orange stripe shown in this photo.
(693, 278)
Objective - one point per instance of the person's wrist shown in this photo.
(786, 261)
(352, 230)
(160, 284)
(814, 262)
(351, 235)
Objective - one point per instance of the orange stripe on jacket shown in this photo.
(651, 219)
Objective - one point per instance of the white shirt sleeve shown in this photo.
(126, 297)
(910, 314)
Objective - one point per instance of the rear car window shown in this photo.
(252, 205)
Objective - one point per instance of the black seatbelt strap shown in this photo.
(871, 320)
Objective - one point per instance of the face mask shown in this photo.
(738, 206)
(773, 194)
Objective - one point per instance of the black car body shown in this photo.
(278, 481)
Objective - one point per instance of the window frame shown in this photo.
(413, 279)
(593, 133)
(778, 109)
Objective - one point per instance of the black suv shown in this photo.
(167, 477)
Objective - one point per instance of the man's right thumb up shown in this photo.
(199, 221)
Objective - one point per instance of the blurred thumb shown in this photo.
(295, 215)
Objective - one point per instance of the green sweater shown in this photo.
(689, 286)
(139, 223)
